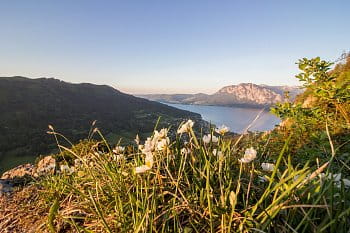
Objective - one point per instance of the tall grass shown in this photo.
(193, 186)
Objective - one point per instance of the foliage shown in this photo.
(320, 114)
(331, 95)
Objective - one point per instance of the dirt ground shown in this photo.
(19, 212)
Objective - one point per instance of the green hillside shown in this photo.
(28, 106)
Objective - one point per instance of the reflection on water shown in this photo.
(235, 118)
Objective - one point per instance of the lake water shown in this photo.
(234, 117)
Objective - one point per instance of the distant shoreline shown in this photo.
(259, 107)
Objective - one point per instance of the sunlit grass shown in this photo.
(193, 185)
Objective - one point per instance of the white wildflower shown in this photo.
(219, 154)
(207, 138)
(222, 129)
(142, 169)
(214, 138)
(186, 127)
(66, 169)
(249, 155)
(163, 144)
(216, 152)
(155, 135)
(269, 167)
(158, 142)
(321, 175)
(118, 153)
(335, 177)
(118, 149)
(137, 139)
(185, 151)
(346, 183)
(118, 157)
(149, 146)
(148, 164)
(337, 180)
(163, 133)
(78, 163)
(149, 160)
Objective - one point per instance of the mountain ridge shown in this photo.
(243, 95)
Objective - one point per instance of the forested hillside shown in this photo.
(28, 106)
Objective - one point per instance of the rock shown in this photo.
(19, 171)
(20, 175)
(5, 186)
(46, 166)
(15, 177)
(309, 102)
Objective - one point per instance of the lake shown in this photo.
(234, 117)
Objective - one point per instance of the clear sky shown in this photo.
(169, 46)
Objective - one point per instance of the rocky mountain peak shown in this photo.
(250, 92)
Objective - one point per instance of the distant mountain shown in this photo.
(28, 106)
(293, 90)
(244, 95)
(168, 98)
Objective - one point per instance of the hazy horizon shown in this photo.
(156, 91)
(169, 47)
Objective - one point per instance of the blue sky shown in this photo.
(167, 46)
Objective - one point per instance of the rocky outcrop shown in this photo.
(250, 93)
(45, 166)
(309, 101)
(19, 171)
(5, 186)
(24, 173)
(15, 177)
